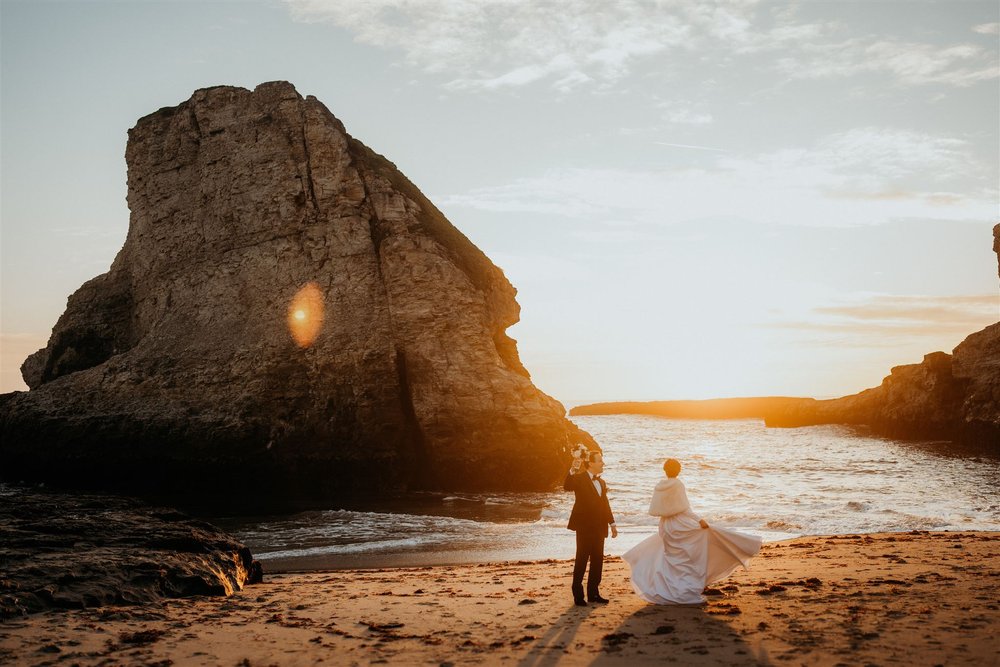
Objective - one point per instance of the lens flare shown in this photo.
(305, 315)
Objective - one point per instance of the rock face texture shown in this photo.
(948, 396)
(88, 551)
(289, 319)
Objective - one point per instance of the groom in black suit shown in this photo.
(590, 518)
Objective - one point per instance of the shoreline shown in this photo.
(917, 598)
(425, 559)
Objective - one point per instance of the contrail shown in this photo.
(700, 148)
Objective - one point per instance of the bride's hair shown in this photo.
(672, 467)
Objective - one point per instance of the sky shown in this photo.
(694, 199)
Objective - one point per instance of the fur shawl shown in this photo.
(669, 498)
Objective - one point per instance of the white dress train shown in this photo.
(675, 564)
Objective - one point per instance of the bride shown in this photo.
(674, 565)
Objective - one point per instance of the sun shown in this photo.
(300, 315)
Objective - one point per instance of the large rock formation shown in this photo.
(948, 396)
(290, 319)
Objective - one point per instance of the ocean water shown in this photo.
(777, 483)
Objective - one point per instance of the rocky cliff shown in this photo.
(289, 320)
(948, 396)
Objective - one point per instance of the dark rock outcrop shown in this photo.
(996, 245)
(288, 314)
(86, 551)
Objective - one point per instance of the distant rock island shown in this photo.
(947, 396)
(712, 408)
(289, 321)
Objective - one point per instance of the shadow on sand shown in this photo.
(684, 635)
(550, 648)
(652, 635)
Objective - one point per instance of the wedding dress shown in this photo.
(675, 564)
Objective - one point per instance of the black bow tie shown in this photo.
(597, 477)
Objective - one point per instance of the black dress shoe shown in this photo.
(597, 599)
(580, 602)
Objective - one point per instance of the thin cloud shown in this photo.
(931, 199)
(894, 153)
(688, 118)
(681, 113)
(987, 28)
(700, 148)
(891, 317)
(506, 43)
(496, 44)
(864, 176)
(908, 63)
(562, 65)
(877, 335)
(960, 310)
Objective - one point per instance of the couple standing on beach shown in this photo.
(671, 566)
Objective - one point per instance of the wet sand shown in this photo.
(898, 598)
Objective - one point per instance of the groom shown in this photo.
(590, 518)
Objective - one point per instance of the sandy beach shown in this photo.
(903, 598)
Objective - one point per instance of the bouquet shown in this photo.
(580, 454)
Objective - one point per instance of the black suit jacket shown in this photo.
(591, 511)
